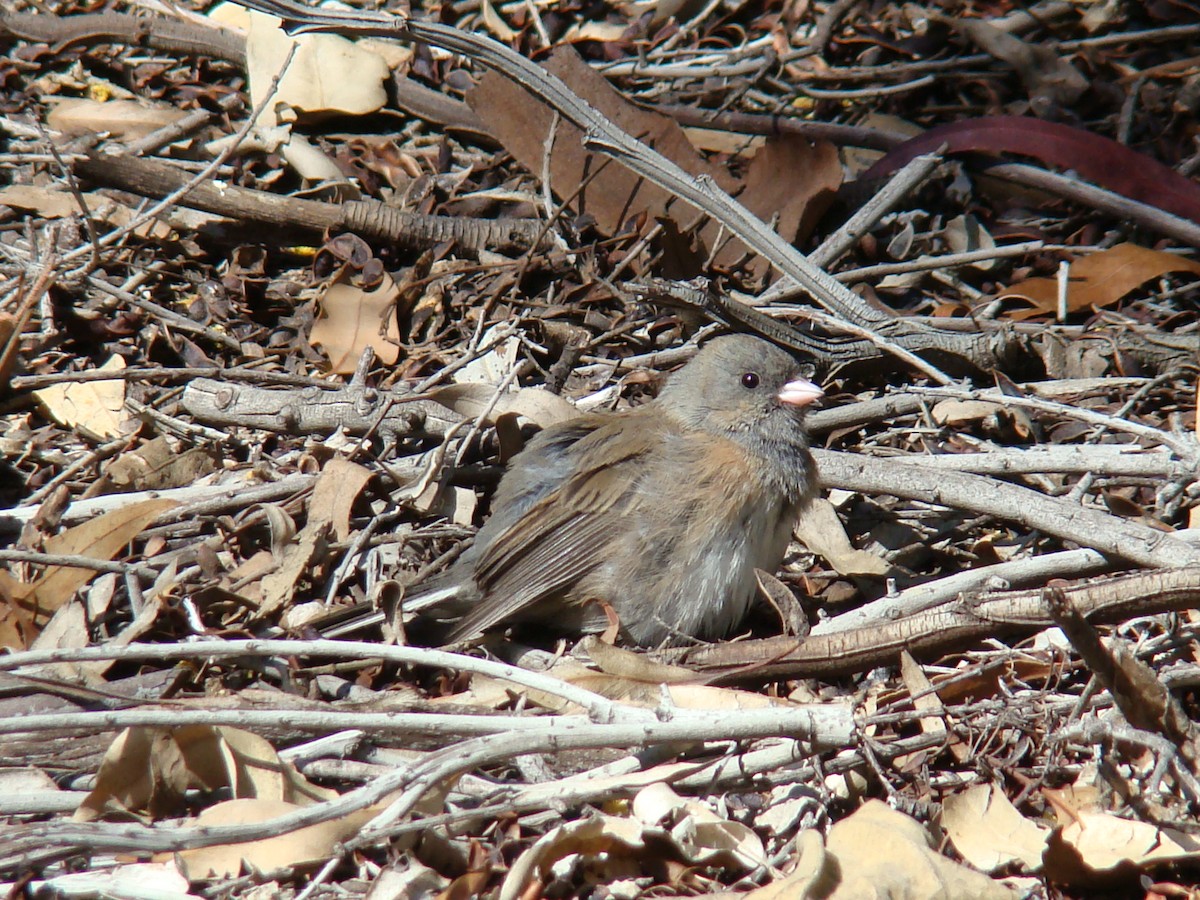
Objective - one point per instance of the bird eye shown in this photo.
(750, 380)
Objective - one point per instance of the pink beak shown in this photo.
(800, 393)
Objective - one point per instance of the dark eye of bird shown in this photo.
(750, 380)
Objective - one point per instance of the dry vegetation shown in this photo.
(265, 342)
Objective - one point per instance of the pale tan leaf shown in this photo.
(473, 400)
(94, 407)
(147, 770)
(806, 875)
(883, 853)
(144, 881)
(704, 837)
(155, 466)
(328, 73)
(278, 586)
(957, 413)
(964, 234)
(1104, 842)
(338, 486)
(821, 531)
(304, 846)
(101, 538)
(634, 666)
(122, 119)
(353, 320)
(597, 834)
(143, 771)
(495, 22)
(989, 832)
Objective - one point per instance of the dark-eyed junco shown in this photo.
(662, 512)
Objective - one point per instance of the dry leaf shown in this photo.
(328, 74)
(99, 538)
(144, 881)
(696, 833)
(957, 413)
(121, 119)
(354, 320)
(305, 846)
(821, 531)
(1104, 842)
(53, 204)
(279, 585)
(805, 878)
(495, 366)
(1101, 279)
(598, 834)
(94, 407)
(704, 837)
(989, 832)
(964, 234)
(495, 23)
(338, 486)
(539, 406)
(615, 196)
(884, 853)
(149, 769)
(155, 466)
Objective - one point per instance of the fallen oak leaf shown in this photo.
(355, 319)
(1101, 279)
(100, 538)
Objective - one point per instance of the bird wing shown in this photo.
(566, 534)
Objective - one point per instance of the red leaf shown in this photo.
(1096, 159)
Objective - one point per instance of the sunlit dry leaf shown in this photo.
(598, 834)
(143, 770)
(704, 837)
(156, 466)
(94, 407)
(989, 832)
(149, 769)
(697, 834)
(883, 853)
(122, 119)
(821, 531)
(146, 881)
(964, 234)
(957, 413)
(495, 23)
(338, 486)
(306, 846)
(327, 74)
(1104, 842)
(536, 404)
(279, 585)
(67, 629)
(466, 886)
(354, 320)
(633, 666)
(494, 366)
(1103, 278)
(594, 30)
(99, 538)
(805, 877)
